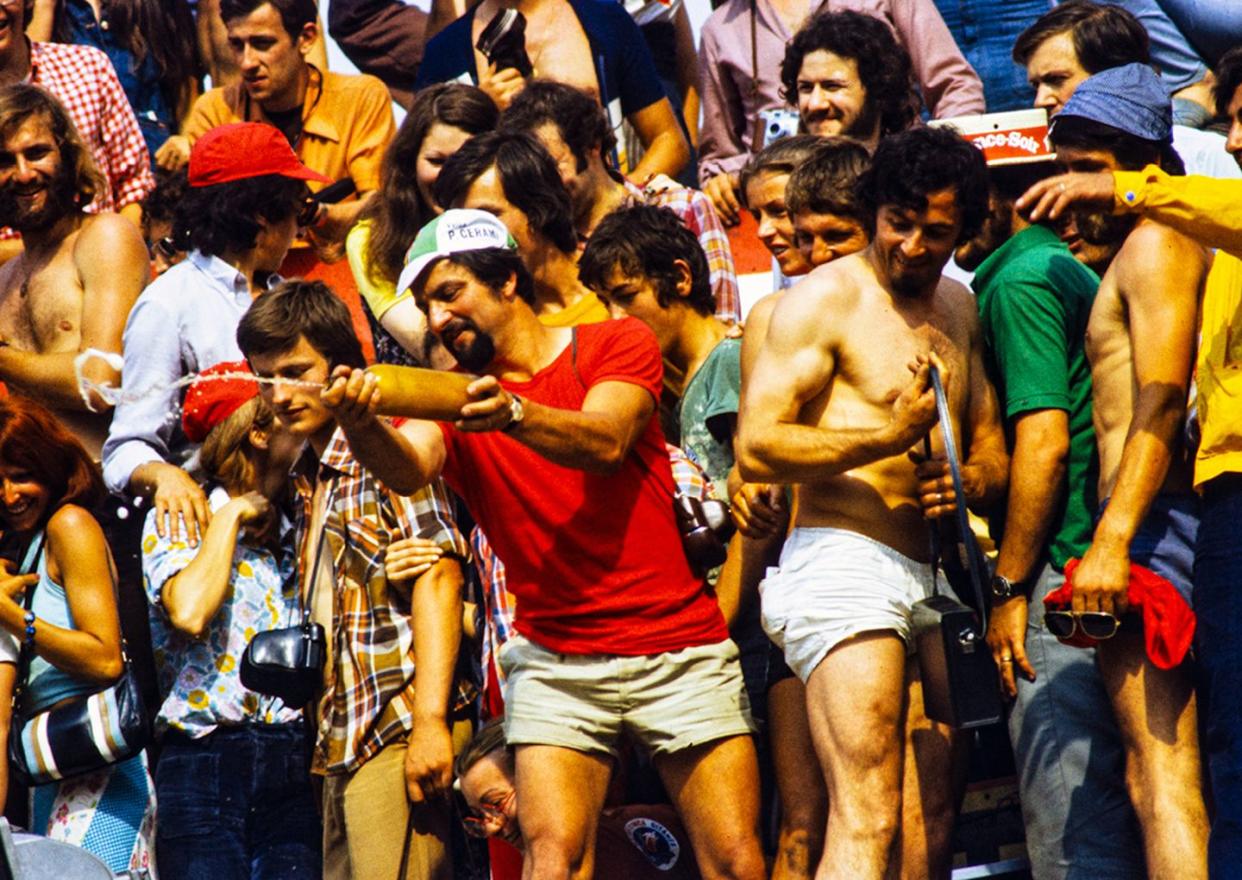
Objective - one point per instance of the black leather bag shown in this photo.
(288, 663)
(960, 684)
(81, 735)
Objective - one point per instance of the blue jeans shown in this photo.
(985, 31)
(237, 804)
(1070, 761)
(1218, 642)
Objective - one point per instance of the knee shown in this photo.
(554, 858)
(742, 861)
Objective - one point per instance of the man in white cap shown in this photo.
(560, 458)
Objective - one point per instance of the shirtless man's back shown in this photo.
(73, 285)
(839, 398)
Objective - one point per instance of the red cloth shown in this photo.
(595, 561)
(1168, 622)
(208, 403)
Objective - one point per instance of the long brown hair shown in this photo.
(33, 440)
(397, 210)
(227, 454)
(22, 101)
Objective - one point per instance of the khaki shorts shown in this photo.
(666, 702)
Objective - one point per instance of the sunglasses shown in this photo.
(308, 213)
(164, 247)
(487, 816)
(1092, 624)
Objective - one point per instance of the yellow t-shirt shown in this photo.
(588, 310)
(1208, 210)
(380, 296)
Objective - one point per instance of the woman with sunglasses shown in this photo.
(48, 487)
(442, 118)
(233, 778)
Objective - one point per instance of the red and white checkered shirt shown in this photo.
(83, 80)
(699, 216)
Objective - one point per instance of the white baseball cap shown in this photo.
(454, 231)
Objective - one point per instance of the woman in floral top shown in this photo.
(233, 781)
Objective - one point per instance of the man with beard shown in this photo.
(1205, 209)
(558, 454)
(1141, 341)
(847, 75)
(1034, 300)
(842, 408)
(77, 278)
(82, 79)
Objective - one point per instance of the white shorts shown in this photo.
(833, 584)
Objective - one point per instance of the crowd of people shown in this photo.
(621, 572)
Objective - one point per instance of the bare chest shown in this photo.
(41, 305)
(556, 43)
(1108, 334)
(875, 360)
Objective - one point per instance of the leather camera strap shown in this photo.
(955, 470)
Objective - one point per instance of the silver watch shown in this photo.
(517, 412)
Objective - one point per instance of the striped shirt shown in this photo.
(368, 697)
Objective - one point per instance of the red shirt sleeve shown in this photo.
(620, 351)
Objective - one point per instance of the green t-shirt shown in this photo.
(706, 406)
(1034, 302)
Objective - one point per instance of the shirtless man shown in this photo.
(1141, 345)
(72, 287)
(832, 405)
(591, 46)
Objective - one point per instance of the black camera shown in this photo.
(706, 528)
(503, 42)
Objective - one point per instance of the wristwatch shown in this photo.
(1004, 588)
(517, 412)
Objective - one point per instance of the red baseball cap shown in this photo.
(241, 150)
(208, 403)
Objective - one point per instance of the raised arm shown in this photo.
(796, 364)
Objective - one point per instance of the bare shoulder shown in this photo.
(1153, 252)
(103, 234)
(72, 527)
(958, 301)
(836, 285)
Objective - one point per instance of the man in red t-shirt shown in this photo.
(559, 457)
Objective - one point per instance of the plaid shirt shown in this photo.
(368, 696)
(83, 80)
(499, 606)
(699, 215)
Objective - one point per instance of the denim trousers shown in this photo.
(1079, 822)
(1218, 643)
(237, 804)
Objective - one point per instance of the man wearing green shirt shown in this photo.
(1034, 301)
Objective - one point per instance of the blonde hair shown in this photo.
(227, 454)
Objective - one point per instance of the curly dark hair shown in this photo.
(494, 266)
(396, 210)
(1228, 79)
(884, 66)
(528, 177)
(225, 216)
(579, 118)
(646, 241)
(911, 165)
(294, 14)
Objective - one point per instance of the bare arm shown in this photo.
(113, 267)
(8, 680)
(78, 559)
(193, 596)
(1036, 483)
(598, 438)
(796, 364)
(666, 149)
(42, 21)
(687, 72)
(436, 608)
(1161, 289)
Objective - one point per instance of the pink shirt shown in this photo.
(730, 102)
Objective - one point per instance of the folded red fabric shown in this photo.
(1168, 621)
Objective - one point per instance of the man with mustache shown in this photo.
(842, 407)
(77, 278)
(560, 458)
(847, 75)
(1141, 340)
